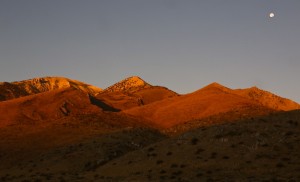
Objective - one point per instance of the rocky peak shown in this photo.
(38, 85)
(128, 84)
(51, 83)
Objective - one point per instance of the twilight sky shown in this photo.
(181, 44)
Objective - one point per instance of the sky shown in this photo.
(180, 44)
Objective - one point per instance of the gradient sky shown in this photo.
(181, 44)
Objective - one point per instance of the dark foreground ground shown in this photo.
(257, 149)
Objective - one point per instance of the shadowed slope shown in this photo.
(258, 149)
(38, 85)
(61, 151)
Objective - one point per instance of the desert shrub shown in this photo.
(208, 172)
(174, 166)
(48, 177)
(194, 141)
(172, 177)
(262, 120)
(62, 180)
(233, 133)
(258, 156)
(162, 171)
(182, 166)
(199, 174)
(169, 153)
(150, 149)
(225, 157)
(289, 146)
(199, 150)
(289, 133)
(213, 155)
(285, 159)
(32, 175)
(152, 155)
(177, 173)
(294, 123)
(63, 173)
(162, 177)
(277, 126)
(279, 165)
(137, 173)
(218, 136)
(210, 180)
(159, 161)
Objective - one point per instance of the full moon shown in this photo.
(271, 15)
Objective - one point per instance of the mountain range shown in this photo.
(51, 119)
(51, 98)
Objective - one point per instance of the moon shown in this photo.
(271, 15)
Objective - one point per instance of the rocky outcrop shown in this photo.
(38, 85)
(129, 84)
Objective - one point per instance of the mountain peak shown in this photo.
(50, 83)
(43, 84)
(135, 79)
(130, 83)
(214, 84)
(217, 86)
(254, 88)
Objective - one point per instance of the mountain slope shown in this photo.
(208, 101)
(38, 85)
(123, 100)
(267, 99)
(62, 151)
(133, 92)
(46, 106)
